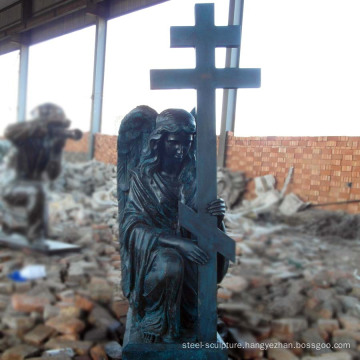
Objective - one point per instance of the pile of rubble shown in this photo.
(295, 282)
(286, 287)
(280, 210)
(78, 308)
(295, 289)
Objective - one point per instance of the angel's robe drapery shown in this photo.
(152, 210)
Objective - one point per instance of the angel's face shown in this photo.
(177, 146)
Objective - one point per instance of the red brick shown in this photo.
(80, 146)
(66, 325)
(98, 353)
(335, 161)
(27, 303)
(39, 334)
(345, 151)
(83, 303)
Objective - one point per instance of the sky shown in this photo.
(308, 52)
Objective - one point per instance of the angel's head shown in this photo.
(174, 135)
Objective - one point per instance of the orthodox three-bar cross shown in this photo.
(205, 78)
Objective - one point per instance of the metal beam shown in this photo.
(23, 79)
(98, 82)
(236, 9)
(54, 19)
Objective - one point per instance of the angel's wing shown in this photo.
(134, 132)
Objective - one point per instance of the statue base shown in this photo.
(135, 349)
(49, 247)
(173, 351)
(182, 351)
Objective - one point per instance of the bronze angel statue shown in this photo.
(160, 259)
(35, 156)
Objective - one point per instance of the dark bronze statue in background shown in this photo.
(35, 157)
(160, 259)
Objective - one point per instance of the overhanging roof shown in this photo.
(32, 21)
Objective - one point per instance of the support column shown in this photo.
(23, 80)
(98, 82)
(236, 9)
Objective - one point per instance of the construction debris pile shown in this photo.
(286, 287)
(277, 209)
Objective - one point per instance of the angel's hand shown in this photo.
(185, 247)
(217, 208)
(192, 252)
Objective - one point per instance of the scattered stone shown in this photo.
(100, 290)
(223, 294)
(42, 291)
(20, 324)
(349, 323)
(234, 283)
(8, 266)
(22, 287)
(287, 306)
(71, 337)
(280, 354)
(100, 317)
(50, 311)
(98, 353)
(285, 329)
(63, 354)
(328, 325)
(346, 337)
(96, 334)
(83, 303)
(334, 356)
(67, 296)
(120, 308)
(80, 347)
(66, 325)
(113, 350)
(70, 311)
(248, 346)
(346, 333)
(315, 342)
(38, 335)
(6, 288)
(350, 305)
(355, 292)
(5, 256)
(235, 307)
(20, 352)
(76, 272)
(4, 301)
(28, 303)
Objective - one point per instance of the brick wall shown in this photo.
(80, 146)
(326, 169)
(105, 148)
(324, 166)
